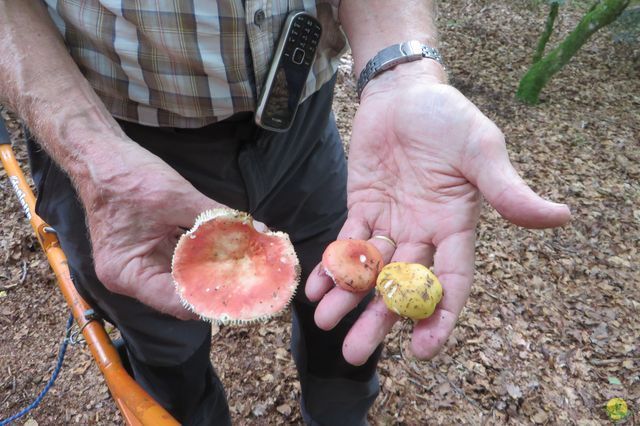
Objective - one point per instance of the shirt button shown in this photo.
(258, 17)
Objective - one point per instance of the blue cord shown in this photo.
(52, 380)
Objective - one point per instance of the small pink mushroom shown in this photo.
(352, 264)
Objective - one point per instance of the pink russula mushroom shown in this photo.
(227, 272)
(352, 264)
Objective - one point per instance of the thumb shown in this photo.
(489, 169)
(195, 204)
(202, 203)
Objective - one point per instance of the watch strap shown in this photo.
(391, 56)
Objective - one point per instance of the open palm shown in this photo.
(421, 155)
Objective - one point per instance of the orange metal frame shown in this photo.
(137, 407)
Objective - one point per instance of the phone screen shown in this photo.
(283, 99)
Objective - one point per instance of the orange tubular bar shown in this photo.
(137, 407)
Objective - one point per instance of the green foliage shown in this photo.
(599, 15)
(575, 4)
(546, 34)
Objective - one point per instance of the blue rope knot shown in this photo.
(54, 376)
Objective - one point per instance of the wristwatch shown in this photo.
(391, 56)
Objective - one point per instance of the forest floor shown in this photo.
(551, 331)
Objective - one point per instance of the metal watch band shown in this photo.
(391, 56)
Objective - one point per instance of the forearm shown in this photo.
(40, 81)
(372, 25)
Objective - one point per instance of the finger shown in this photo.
(415, 253)
(385, 247)
(368, 332)
(376, 321)
(177, 309)
(260, 227)
(488, 168)
(454, 269)
(334, 306)
(319, 283)
(191, 206)
(338, 302)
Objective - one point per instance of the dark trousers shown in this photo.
(294, 182)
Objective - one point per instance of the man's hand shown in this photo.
(421, 155)
(135, 217)
(135, 203)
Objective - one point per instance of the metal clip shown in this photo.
(90, 315)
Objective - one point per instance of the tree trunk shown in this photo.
(601, 14)
(548, 29)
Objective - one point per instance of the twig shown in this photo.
(384, 399)
(7, 287)
(23, 277)
(24, 272)
(491, 295)
(417, 383)
(609, 361)
(424, 398)
(13, 386)
(558, 247)
(460, 392)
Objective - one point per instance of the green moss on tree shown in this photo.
(546, 34)
(600, 15)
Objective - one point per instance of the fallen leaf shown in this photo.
(614, 380)
(540, 417)
(80, 370)
(259, 410)
(600, 334)
(445, 403)
(444, 388)
(514, 391)
(284, 409)
(282, 354)
(618, 262)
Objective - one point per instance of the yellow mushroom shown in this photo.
(410, 290)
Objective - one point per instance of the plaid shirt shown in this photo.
(186, 63)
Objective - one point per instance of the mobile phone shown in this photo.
(288, 73)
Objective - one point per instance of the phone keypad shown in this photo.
(303, 40)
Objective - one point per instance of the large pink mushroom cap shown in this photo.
(227, 272)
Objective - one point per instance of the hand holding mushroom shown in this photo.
(421, 157)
